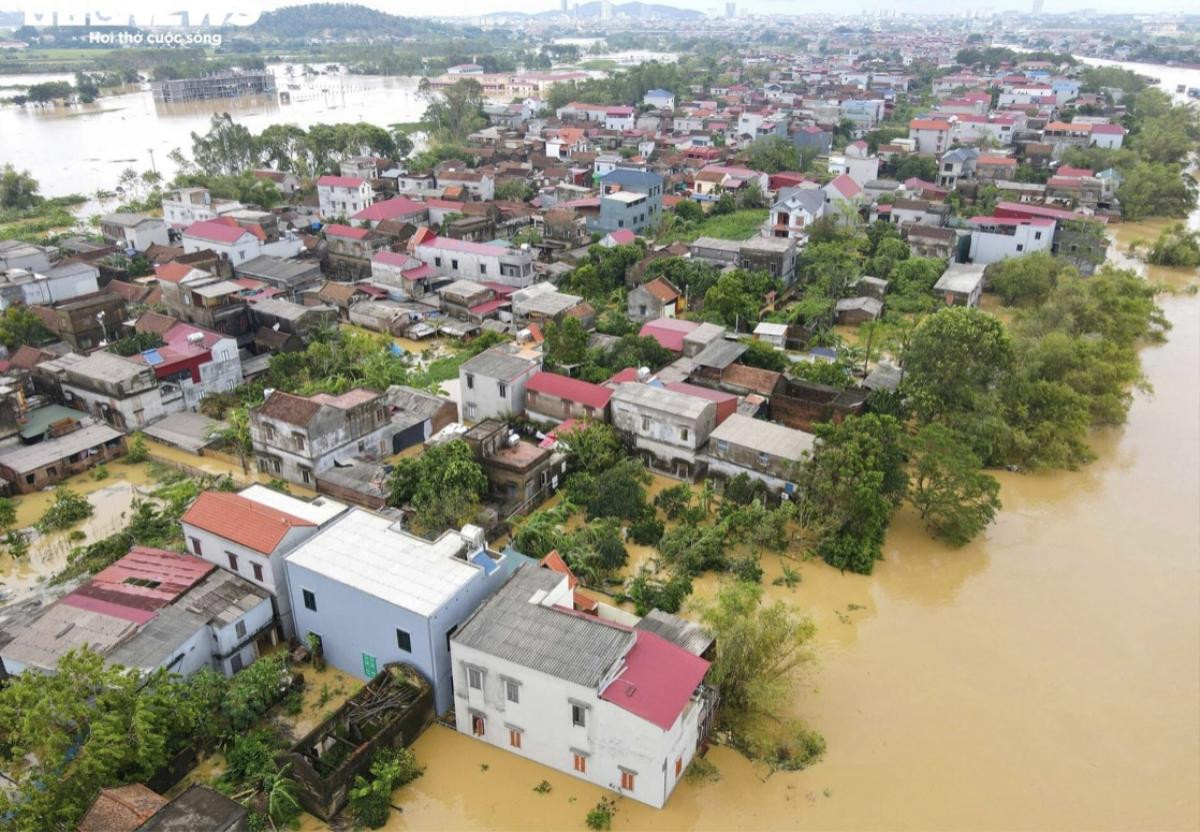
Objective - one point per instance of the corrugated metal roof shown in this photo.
(679, 631)
(765, 437)
(550, 640)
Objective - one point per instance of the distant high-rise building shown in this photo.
(731, 9)
(605, 10)
(1037, 8)
(566, 6)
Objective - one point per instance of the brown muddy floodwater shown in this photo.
(1044, 677)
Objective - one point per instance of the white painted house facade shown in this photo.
(614, 705)
(343, 196)
(249, 533)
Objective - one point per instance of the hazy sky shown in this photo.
(121, 9)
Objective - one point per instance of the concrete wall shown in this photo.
(352, 623)
(128, 413)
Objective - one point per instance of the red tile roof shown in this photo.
(668, 332)
(1070, 172)
(622, 236)
(390, 209)
(341, 181)
(216, 232)
(571, 389)
(241, 520)
(172, 272)
(845, 186)
(346, 231)
(657, 680)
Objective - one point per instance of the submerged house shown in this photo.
(607, 698)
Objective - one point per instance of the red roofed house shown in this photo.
(349, 250)
(614, 700)
(657, 298)
(556, 398)
(842, 193)
(932, 135)
(249, 533)
(224, 237)
(343, 196)
(200, 361)
(150, 609)
(396, 209)
(669, 332)
(298, 437)
(1109, 136)
(401, 274)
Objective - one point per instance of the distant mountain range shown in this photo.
(591, 11)
(323, 19)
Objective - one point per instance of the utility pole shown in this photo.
(153, 167)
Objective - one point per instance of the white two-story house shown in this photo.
(249, 533)
(343, 196)
(615, 704)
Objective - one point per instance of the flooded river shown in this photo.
(119, 131)
(1046, 676)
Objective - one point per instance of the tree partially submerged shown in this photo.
(761, 653)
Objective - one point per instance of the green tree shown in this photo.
(761, 354)
(618, 491)
(1176, 246)
(592, 447)
(1028, 279)
(772, 154)
(443, 486)
(1150, 190)
(761, 652)
(18, 189)
(18, 326)
(566, 342)
(854, 481)
(234, 435)
(956, 356)
(8, 514)
(689, 210)
(456, 111)
(737, 296)
(953, 496)
(65, 735)
(227, 148)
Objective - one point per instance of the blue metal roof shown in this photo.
(152, 357)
